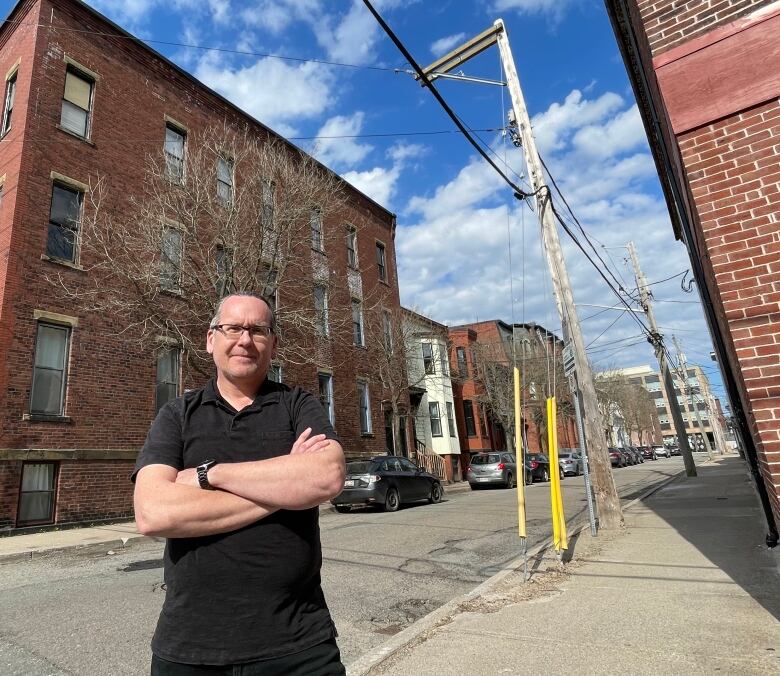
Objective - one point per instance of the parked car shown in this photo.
(388, 481)
(487, 469)
(662, 450)
(616, 457)
(638, 455)
(570, 462)
(648, 453)
(674, 450)
(540, 466)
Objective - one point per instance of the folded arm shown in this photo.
(312, 473)
(165, 508)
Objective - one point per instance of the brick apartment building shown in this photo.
(705, 74)
(81, 98)
(478, 430)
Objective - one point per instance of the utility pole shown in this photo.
(682, 374)
(657, 342)
(607, 500)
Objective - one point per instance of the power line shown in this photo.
(614, 321)
(427, 83)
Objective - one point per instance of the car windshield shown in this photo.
(490, 459)
(363, 467)
(536, 456)
(564, 456)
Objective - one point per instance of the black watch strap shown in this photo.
(203, 474)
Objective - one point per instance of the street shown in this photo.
(94, 614)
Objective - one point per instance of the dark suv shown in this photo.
(387, 481)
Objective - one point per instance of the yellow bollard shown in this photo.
(520, 460)
(559, 520)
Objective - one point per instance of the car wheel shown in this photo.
(561, 474)
(545, 475)
(343, 508)
(392, 501)
(436, 493)
(475, 487)
(529, 478)
(510, 480)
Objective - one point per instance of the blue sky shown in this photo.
(456, 218)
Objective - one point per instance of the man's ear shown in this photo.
(210, 341)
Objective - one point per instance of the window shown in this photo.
(380, 261)
(444, 360)
(407, 465)
(326, 395)
(167, 376)
(270, 277)
(8, 108)
(451, 419)
(463, 369)
(223, 259)
(352, 247)
(76, 103)
(474, 360)
(267, 196)
(275, 373)
(387, 332)
(427, 353)
(321, 309)
(364, 403)
(170, 259)
(225, 179)
(36, 497)
(357, 323)
(64, 217)
(315, 221)
(468, 415)
(435, 414)
(174, 153)
(50, 371)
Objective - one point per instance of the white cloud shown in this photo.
(623, 132)
(288, 92)
(444, 45)
(276, 15)
(332, 149)
(220, 10)
(403, 151)
(378, 183)
(553, 8)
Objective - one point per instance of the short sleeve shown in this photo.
(307, 411)
(163, 444)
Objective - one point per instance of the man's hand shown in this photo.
(308, 444)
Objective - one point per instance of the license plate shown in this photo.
(483, 478)
(349, 483)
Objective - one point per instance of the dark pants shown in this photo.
(321, 660)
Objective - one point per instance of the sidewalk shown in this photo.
(688, 588)
(113, 536)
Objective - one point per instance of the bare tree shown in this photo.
(639, 411)
(236, 212)
(611, 389)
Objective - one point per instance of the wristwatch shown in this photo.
(203, 474)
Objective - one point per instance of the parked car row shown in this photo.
(633, 455)
(486, 469)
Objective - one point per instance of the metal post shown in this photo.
(585, 462)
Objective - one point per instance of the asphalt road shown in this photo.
(94, 613)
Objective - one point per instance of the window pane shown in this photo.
(174, 143)
(77, 90)
(35, 507)
(50, 347)
(166, 367)
(38, 477)
(74, 119)
(47, 392)
(224, 171)
(65, 206)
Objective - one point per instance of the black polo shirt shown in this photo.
(253, 593)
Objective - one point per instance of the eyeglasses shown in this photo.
(235, 331)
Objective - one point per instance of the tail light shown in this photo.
(373, 478)
(501, 465)
(468, 469)
(534, 464)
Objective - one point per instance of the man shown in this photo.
(232, 474)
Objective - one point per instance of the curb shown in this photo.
(365, 663)
(91, 548)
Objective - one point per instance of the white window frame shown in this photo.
(444, 359)
(429, 364)
(434, 413)
(67, 332)
(358, 329)
(327, 399)
(75, 71)
(364, 408)
(451, 419)
(8, 106)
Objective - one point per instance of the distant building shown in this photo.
(653, 382)
(435, 426)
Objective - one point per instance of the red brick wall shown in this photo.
(669, 23)
(110, 393)
(10, 476)
(733, 167)
(94, 489)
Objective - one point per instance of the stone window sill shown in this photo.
(44, 417)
